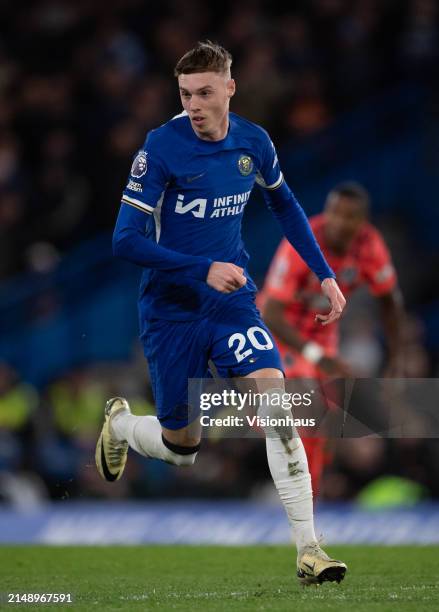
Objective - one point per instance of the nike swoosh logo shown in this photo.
(108, 475)
(194, 178)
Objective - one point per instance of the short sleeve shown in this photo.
(377, 267)
(285, 273)
(269, 174)
(148, 177)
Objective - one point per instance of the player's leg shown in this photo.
(146, 436)
(286, 457)
(246, 349)
(289, 469)
(297, 367)
(175, 353)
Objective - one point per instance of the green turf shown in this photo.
(218, 578)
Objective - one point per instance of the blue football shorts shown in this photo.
(234, 338)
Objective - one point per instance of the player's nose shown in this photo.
(194, 105)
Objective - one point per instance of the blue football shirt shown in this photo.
(195, 192)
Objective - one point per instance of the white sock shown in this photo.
(289, 470)
(144, 435)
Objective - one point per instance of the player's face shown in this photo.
(344, 217)
(205, 97)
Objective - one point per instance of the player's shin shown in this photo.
(289, 468)
(144, 435)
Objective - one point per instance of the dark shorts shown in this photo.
(235, 339)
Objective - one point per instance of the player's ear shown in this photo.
(231, 87)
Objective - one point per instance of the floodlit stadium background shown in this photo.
(347, 91)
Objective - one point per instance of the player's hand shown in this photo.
(225, 277)
(336, 299)
(334, 367)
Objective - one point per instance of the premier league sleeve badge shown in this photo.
(140, 165)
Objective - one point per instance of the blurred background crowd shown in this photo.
(348, 89)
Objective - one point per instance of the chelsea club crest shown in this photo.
(245, 165)
(140, 165)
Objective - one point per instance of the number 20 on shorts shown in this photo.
(239, 341)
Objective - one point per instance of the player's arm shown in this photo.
(287, 210)
(297, 230)
(274, 317)
(147, 183)
(286, 274)
(130, 242)
(382, 282)
(392, 317)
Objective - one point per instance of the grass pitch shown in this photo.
(214, 578)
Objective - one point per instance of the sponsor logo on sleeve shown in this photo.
(134, 186)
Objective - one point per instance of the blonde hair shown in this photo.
(205, 57)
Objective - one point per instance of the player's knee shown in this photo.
(275, 416)
(270, 405)
(180, 455)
